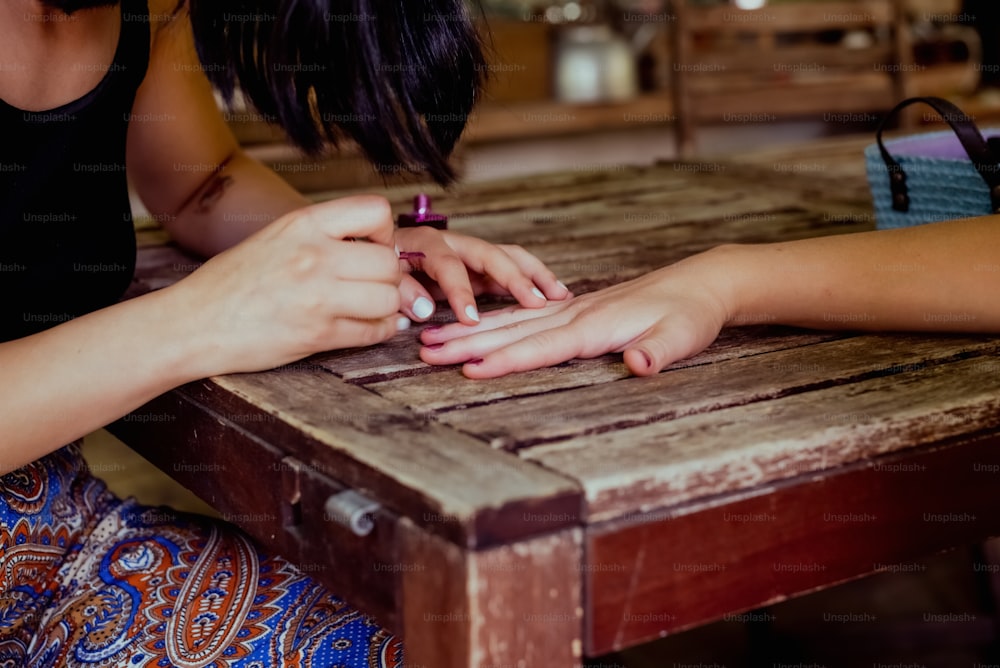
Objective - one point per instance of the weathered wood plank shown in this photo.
(621, 256)
(811, 182)
(272, 497)
(397, 357)
(512, 194)
(842, 157)
(450, 391)
(687, 390)
(726, 450)
(676, 568)
(677, 201)
(357, 568)
(196, 447)
(443, 480)
(633, 197)
(512, 605)
(825, 172)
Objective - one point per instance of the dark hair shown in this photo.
(399, 77)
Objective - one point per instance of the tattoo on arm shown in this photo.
(210, 191)
(217, 185)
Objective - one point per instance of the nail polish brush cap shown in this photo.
(422, 215)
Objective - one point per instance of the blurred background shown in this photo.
(586, 84)
(635, 81)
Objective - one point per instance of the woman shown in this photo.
(92, 91)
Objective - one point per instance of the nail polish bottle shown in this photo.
(422, 215)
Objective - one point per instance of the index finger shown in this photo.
(367, 216)
(546, 348)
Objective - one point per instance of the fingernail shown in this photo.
(537, 293)
(562, 285)
(474, 362)
(402, 323)
(435, 346)
(423, 307)
(397, 251)
(471, 311)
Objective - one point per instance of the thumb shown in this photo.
(652, 352)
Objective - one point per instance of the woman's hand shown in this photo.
(296, 287)
(655, 320)
(463, 267)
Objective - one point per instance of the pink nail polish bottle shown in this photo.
(422, 215)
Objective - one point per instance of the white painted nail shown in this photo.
(423, 308)
(397, 251)
(403, 323)
(562, 285)
(537, 293)
(471, 311)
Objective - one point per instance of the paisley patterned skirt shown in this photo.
(87, 579)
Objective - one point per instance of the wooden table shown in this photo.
(567, 512)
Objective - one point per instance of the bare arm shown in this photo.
(292, 289)
(185, 163)
(940, 277)
(70, 380)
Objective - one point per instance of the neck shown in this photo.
(34, 19)
(42, 50)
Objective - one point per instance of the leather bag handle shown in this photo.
(980, 151)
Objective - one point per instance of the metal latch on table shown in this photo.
(352, 510)
(348, 508)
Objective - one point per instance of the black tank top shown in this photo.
(67, 244)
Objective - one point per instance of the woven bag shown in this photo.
(934, 176)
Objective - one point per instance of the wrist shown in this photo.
(720, 274)
(186, 351)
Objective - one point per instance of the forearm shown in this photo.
(63, 383)
(941, 277)
(231, 205)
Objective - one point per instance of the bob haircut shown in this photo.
(398, 77)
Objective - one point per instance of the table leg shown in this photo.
(512, 606)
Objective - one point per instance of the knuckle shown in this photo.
(451, 266)
(386, 264)
(657, 348)
(545, 274)
(377, 204)
(378, 332)
(392, 301)
(318, 337)
(422, 235)
(544, 340)
(305, 260)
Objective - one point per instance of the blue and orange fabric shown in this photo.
(87, 579)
